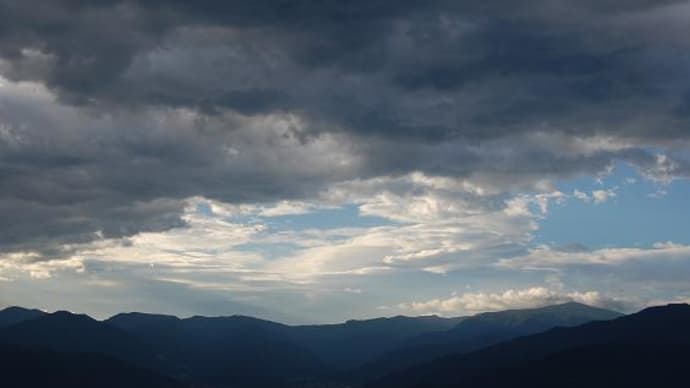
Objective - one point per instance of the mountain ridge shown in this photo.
(481, 330)
(665, 325)
(248, 351)
(14, 314)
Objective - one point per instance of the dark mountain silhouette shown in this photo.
(236, 349)
(356, 342)
(32, 368)
(65, 332)
(336, 346)
(658, 330)
(482, 330)
(231, 348)
(14, 315)
(241, 351)
(617, 364)
(162, 332)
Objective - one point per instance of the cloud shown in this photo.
(584, 197)
(526, 69)
(547, 257)
(183, 133)
(471, 303)
(596, 196)
(123, 174)
(121, 170)
(601, 196)
(662, 169)
(17, 263)
(434, 224)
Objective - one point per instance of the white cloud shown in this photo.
(469, 303)
(444, 225)
(596, 196)
(601, 196)
(584, 197)
(663, 170)
(18, 263)
(286, 208)
(547, 257)
(433, 224)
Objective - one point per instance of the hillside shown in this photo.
(482, 330)
(660, 329)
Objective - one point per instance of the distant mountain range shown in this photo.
(237, 351)
(482, 330)
(77, 333)
(647, 349)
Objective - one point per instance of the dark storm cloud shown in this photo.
(488, 69)
(444, 87)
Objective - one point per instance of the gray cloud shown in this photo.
(430, 71)
(149, 103)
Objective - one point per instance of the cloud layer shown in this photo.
(470, 303)
(129, 107)
(174, 133)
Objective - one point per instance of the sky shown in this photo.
(313, 161)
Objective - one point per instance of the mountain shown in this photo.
(242, 351)
(14, 315)
(482, 330)
(355, 342)
(243, 348)
(32, 368)
(617, 364)
(161, 332)
(237, 349)
(65, 332)
(582, 351)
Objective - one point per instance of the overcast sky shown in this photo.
(319, 160)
